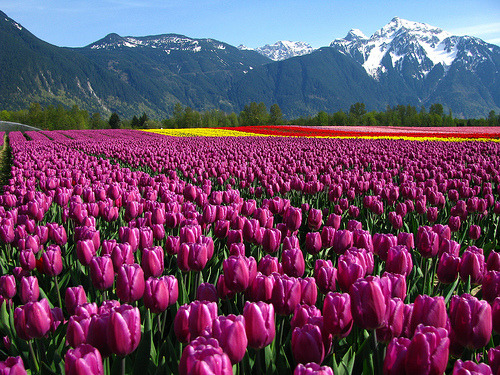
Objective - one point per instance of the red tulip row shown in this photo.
(322, 261)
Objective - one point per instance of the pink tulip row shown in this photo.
(55, 212)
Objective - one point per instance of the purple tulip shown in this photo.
(7, 286)
(429, 311)
(239, 272)
(152, 261)
(471, 321)
(78, 329)
(271, 240)
(337, 314)
(313, 242)
(73, 297)
(472, 265)
(474, 232)
(293, 218)
(204, 356)
(494, 359)
(342, 241)
(309, 293)
(29, 290)
(160, 293)
(491, 286)
(454, 223)
(201, 317)
(394, 325)
(33, 320)
(261, 288)
(124, 330)
(231, 335)
(470, 367)
(130, 283)
(307, 344)
(259, 324)
(428, 351)
(447, 271)
(314, 219)
(406, 239)
(350, 268)
(302, 315)
(85, 359)
(399, 260)
(368, 303)
(85, 251)
(268, 264)
(12, 366)
(27, 260)
(207, 292)
(382, 243)
(287, 293)
(101, 272)
(493, 262)
(52, 261)
(395, 356)
(293, 262)
(427, 242)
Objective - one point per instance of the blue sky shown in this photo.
(250, 22)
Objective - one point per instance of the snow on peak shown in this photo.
(355, 34)
(242, 47)
(404, 41)
(164, 42)
(284, 49)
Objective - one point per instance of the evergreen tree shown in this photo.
(276, 116)
(114, 121)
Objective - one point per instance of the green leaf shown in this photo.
(4, 318)
(142, 358)
(450, 292)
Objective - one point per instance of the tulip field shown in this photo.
(258, 250)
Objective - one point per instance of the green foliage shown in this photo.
(114, 121)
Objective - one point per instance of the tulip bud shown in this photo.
(287, 292)
(494, 359)
(307, 344)
(309, 293)
(268, 264)
(160, 293)
(491, 286)
(239, 272)
(447, 271)
(201, 316)
(130, 283)
(85, 251)
(152, 261)
(472, 265)
(427, 242)
(259, 324)
(293, 262)
(124, 330)
(101, 272)
(293, 218)
(231, 335)
(204, 356)
(52, 261)
(395, 356)
(85, 359)
(350, 268)
(368, 303)
(429, 311)
(382, 243)
(7, 286)
(74, 296)
(78, 329)
(337, 314)
(271, 240)
(314, 219)
(474, 232)
(29, 290)
(471, 321)
(399, 260)
(342, 241)
(394, 324)
(207, 292)
(493, 262)
(428, 351)
(470, 367)
(12, 366)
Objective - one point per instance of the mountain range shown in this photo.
(408, 63)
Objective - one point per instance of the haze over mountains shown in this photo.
(405, 62)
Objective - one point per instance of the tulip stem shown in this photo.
(374, 345)
(33, 356)
(123, 360)
(58, 293)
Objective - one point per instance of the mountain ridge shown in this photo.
(405, 62)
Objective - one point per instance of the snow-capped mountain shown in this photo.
(282, 50)
(413, 49)
(165, 42)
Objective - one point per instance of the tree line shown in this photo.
(60, 117)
